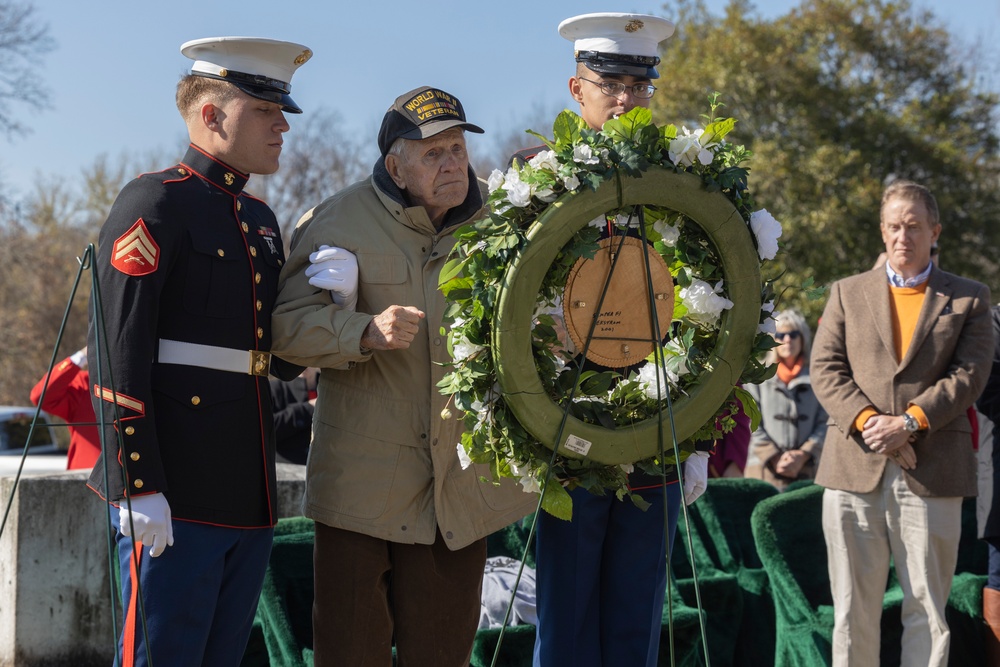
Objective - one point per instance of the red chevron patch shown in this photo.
(135, 252)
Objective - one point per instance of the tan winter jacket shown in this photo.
(383, 462)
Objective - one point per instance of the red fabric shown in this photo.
(68, 397)
(136, 253)
(128, 631)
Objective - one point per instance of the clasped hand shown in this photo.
(887, 435)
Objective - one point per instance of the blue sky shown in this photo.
(113, 73)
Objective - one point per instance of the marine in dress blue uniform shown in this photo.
(188, 266)
(601, 578)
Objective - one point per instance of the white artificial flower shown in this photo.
(584, 154)
(463, 457)
(768, 325)
(676, 357)
(648, 381)
(545, 160)
(599, 222)
(546, 194)
(526, 478)
(627, 468)
(625, 219)
(767, 230)
(496, 179)
(669, 232)
(518, 192)
(704, 304)
(462, 349)
(684, 150)
(571, 182)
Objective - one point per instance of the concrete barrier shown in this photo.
(55, 582)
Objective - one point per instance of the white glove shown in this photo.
(79, 358)
(695, 476)
(151, 518)
(335, 269)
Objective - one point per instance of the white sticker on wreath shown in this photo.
(578, 445)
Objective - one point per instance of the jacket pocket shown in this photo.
(216, 274)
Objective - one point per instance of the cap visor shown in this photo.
(428, 130)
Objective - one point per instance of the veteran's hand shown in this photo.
(393, 329)
(884, 434)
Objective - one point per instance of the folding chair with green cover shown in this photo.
(285, 607)
(734, 586)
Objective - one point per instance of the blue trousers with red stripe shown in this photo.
(199, 596)
(601, 579)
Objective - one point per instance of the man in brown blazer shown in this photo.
(901, 352)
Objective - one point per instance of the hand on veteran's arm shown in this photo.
(393, 329)
(335, 269)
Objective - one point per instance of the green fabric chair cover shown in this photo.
(789, 533)
(740, 620)
(789, 536)
(284, 612)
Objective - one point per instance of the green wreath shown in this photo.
(698, 215)
(513, 323)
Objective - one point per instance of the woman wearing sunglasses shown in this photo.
(786, 446)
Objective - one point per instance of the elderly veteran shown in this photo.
(900, 354)
(400, 526)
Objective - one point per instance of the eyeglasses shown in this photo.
(642, 91)
(782, 335)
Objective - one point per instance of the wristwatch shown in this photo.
(910, 423)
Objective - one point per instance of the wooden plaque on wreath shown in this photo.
(623, 334)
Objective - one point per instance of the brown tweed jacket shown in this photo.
(944, 371)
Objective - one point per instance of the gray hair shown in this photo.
(398, 147)
(795, 320)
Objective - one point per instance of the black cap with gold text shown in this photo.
(422, 113)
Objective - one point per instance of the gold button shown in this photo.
(260, 304)
(134, 456)
(246, 227)
(195, 400)
(129, 430)
(182, 172)
(137, 483)
(253, 251)
(260, 332)
(256, 277)
(222, 253)
(280, 262)
(239, 206)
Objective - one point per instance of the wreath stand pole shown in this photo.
(660, 361)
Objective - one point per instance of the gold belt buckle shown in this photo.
(260, 363)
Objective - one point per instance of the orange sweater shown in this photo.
(906, 304)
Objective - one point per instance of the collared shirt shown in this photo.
(896, 280)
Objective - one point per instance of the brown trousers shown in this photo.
(372, 594)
